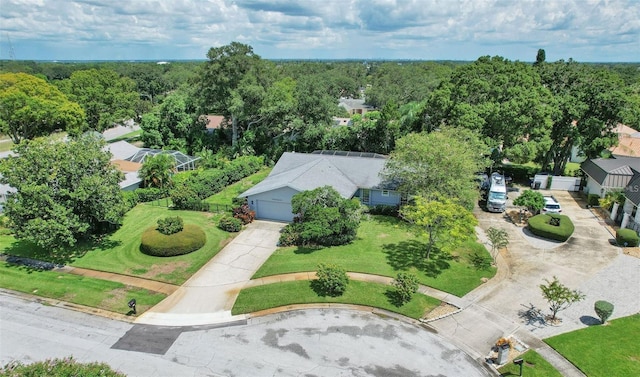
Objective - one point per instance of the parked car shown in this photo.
(551, 205)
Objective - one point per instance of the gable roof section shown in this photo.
(632, 191)
(302, 171)
(121, 150)
(600, 168)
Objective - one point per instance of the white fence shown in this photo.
(556, 182)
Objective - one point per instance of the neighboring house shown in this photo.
(609, 174)
(130, 158)
(628, 144)
(352, 174)
(631, 207)
(213, 122)
(342, 122)
(355, 106)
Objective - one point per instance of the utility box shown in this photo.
(503, 354)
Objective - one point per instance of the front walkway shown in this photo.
(208, 296)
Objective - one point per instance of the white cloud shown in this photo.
(427, 29)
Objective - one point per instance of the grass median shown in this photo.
(358, 293)
(385, 246)
(96, 293)
(609, 350)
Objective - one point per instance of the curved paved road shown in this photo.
(329, 342)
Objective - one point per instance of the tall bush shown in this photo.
(603, 309)
(406, 285)
(170, 225)
(332, 280)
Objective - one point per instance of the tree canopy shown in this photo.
(323, 217)
(30, 107)
(65, 191)
(442, 163)
(443, 221)
(105, 96)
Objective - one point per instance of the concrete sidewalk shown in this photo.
(208, 296)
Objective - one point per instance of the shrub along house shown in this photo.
(352, 174)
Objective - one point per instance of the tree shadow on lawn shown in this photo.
(27, 249)
(306, 249)
(407, 254)
(394, 298)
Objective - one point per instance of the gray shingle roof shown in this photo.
(302, 171)
(632, 191)
(599, 168)
(121, 150)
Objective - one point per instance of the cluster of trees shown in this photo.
(438, 120)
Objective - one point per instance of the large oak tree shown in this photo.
(30, 107)
(65, 191)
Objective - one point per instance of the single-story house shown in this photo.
(352, 174)
(609, 174)
(212, 122)
(129, 159)
(355, 106)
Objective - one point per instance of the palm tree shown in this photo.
(157, 170)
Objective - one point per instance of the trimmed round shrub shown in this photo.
(603, 309)
(230, 224)
(189, 239)
(541, 226)
(627, 237)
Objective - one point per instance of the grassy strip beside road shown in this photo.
(534, 366)
(386, 246)
(609, 350)
(300, 292)
(102, 294)
(120, 252)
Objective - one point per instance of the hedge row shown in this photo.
(143, 195)
(189, 239)
(540, 226)
(627, 237)
(201, 184)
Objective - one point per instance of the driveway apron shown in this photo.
(208, 296)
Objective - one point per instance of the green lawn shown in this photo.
(130, 137)
(610, 350)
(120, 252)
(232, 191)
(103, 294)
(300, 292)
(386, 246)
(534, 366)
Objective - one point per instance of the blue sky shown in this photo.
(585, 30)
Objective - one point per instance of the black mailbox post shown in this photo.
(132, 305)
(519, 362)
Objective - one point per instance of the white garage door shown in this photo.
(268, 210)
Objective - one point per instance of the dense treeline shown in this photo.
(527, 112)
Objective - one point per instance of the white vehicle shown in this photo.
(551, 205)
(497, 197)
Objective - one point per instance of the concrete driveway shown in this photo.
(208, 296)
(587, 261)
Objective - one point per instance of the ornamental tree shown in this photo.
(533, 200)
(443, 221)
(559, 296)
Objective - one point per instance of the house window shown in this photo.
(385, 192)
(365, 196)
